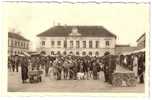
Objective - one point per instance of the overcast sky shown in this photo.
(127, 21)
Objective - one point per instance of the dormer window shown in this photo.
(75, 32)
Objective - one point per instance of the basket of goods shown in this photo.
(35, 76)
(121, 79)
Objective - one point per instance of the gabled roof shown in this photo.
(16, 36)
(140, 37)
(85, 31)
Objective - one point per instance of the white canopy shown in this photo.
(21, 55)
(136, 51)
(26, 54)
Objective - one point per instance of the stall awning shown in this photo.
(136, 51)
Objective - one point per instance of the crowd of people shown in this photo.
(75, 67)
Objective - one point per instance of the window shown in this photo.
(90, 44)
(64, 52)
(71, 44)
(84, 53)
(52, 52)
(107, 43)
(9, 43)
(65, 44)
(71, 52)
(59, 43)
(90, 53)
(27, 46)
(52, 43)
(12, 43)
(21, 44)
(18, 44)
(97, 44)
(77, 53)
(43, 43)
(97, 53)
(84, 44)
(77, 44)
(15, 43)
(11, 52)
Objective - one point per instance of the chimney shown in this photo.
(59, 24)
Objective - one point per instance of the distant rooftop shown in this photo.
(122, 45)
(16, 36)
(85, 31)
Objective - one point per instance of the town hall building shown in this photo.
(77, 40)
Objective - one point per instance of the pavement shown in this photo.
(50, 85)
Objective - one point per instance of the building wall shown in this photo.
(141, 43)
(101, 49)
(16, 46)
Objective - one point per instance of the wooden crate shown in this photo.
(35, 76)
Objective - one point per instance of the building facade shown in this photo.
(17, 44)
(77, 40)
(141, 41)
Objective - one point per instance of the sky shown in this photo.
(127, 21)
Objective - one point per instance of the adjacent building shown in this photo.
(17, 44)
(77, 40)
(141, 41)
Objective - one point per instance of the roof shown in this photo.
(16, 36)
(122, 45)
(140, 37)
(85, 31)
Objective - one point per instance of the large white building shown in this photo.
(77, 40)
(17, 44)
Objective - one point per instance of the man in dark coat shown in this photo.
(13, 63)
(59, 70)
(17, 61)
(47, 65)
(106, 66)
(89, 69)
(112, 67)
(75, 70)
(24, 69)
(85, 66)
(95, 70)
